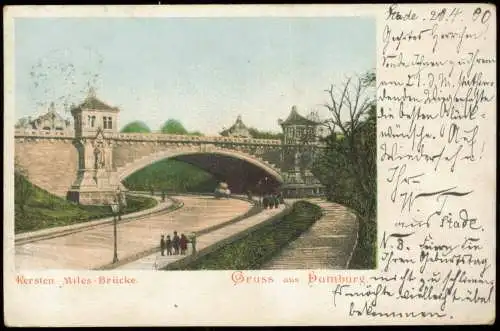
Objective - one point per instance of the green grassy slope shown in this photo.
(44, 210)
(171, 176)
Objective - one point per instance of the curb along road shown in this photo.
(251, 212)
(66, 230)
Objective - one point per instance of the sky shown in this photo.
(201, 71)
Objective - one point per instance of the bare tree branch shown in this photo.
(354, 97)
(350, 97)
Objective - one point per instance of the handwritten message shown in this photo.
(436, 170)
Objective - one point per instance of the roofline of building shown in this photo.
(80, 109)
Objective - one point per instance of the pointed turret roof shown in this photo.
(51, 114)
(51, 118)
(238, 124)
(238, 129)
(93, 103)
(296, 119)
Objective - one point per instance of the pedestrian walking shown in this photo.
(163, 196)
(168, 244)
(276, 201)
(193, 243)
(176, 243)
(270, 201)
(162, 245)
(183, 243)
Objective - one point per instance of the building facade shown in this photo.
(300, 142)
(239, 129)
(50, 122)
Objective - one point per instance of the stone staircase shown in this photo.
(328, 244)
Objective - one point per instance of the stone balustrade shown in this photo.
(159, 137)
(188, 138)
(151, 137)
(43, 133)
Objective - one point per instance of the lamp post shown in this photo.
(266, 186)
(259, 186)
(116, 206)
(267, 191)
(262, 189)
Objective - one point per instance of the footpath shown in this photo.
(161, 207)
(208, 242)
(328, 244)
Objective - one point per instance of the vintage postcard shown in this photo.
(249, 165)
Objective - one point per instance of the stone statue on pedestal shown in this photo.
(99, 158)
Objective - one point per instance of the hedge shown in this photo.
(261, 245)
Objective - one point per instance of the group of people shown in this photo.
(269, 200)
(272, 200)
(177, 244)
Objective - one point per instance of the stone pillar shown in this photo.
(97, 180)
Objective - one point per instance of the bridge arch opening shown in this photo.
(241, 172)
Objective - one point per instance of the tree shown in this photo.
(172, 126)
(23, 189)
(136, 127)
(349, 164)
(22, 122)
(257, 134)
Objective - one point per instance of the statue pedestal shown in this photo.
(299, 185)
(97, 181)
(95, 187)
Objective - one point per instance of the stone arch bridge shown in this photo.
(89, 168)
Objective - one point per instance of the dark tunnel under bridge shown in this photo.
(240, 175)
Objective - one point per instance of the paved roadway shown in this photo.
(156, 261)
(57, 231)
(328, 244)
(92, 248)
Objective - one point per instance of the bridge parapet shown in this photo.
(153, 137)
(42, 133)
(198, 139)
